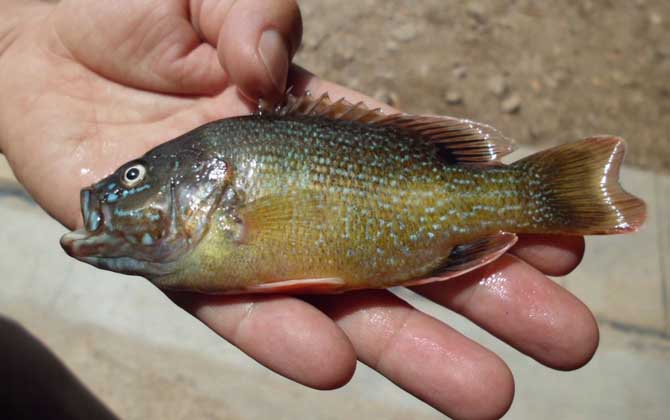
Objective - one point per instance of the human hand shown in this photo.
(88, 86)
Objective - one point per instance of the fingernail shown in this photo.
(274, 53)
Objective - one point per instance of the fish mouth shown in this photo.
(94, 249)
(100, 237)
(81, 243)
(96, 244)
(136, 246)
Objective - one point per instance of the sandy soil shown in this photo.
(542, 72)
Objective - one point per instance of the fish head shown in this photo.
(149, 213)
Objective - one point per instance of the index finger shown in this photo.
(283, 333)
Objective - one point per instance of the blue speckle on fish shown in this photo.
(147, 239)
(94, 221)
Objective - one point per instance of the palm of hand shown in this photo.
(127, 78)
(94, 116)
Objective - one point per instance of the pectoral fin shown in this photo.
(283, 217)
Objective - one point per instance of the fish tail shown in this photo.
(579, 182)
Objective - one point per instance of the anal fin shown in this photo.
(299, 286)
(467, 257)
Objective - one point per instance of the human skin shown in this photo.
(88, 86)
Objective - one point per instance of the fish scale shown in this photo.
(376, 251)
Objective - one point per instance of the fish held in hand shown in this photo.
(322, 197)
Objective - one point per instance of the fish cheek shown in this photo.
(232, 229)
(201, 205)
(145, 229)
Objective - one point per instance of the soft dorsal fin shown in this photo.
(462, 141)
(467, 257)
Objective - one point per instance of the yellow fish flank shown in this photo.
(322, 197)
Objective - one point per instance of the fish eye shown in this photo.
(133, 175)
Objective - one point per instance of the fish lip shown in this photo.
(70, 241)
(83, 243)
(92, 214)
(85, 199)
(85, 246)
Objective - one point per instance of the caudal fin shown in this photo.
(580, 185)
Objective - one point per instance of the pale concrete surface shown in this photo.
(145, 358)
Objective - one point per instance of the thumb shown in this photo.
(255, 39)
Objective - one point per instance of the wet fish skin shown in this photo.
(301, 202)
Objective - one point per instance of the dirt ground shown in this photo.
(542, 72)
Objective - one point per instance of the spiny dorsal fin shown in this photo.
(463, 141)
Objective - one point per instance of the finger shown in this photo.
(256, 40)
(518, 304)
(422, 355)
(554, 255)
(285, 334)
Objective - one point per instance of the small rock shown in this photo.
(511, 105)
(342, 56)
(533, 132)
(497, 85)
(477, 10)
(424, 69)
(655, 18)
(312, 42)
(391, 45)
(536, 85)
(453, 97)
(387, 74)
(405, 33)
(557, 78)
(386, 96)
(460, 72)
(621, 78)
(586, 7)
(637, 98)
(662, 51)
(347, 52)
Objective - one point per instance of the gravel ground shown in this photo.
(543, 72)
